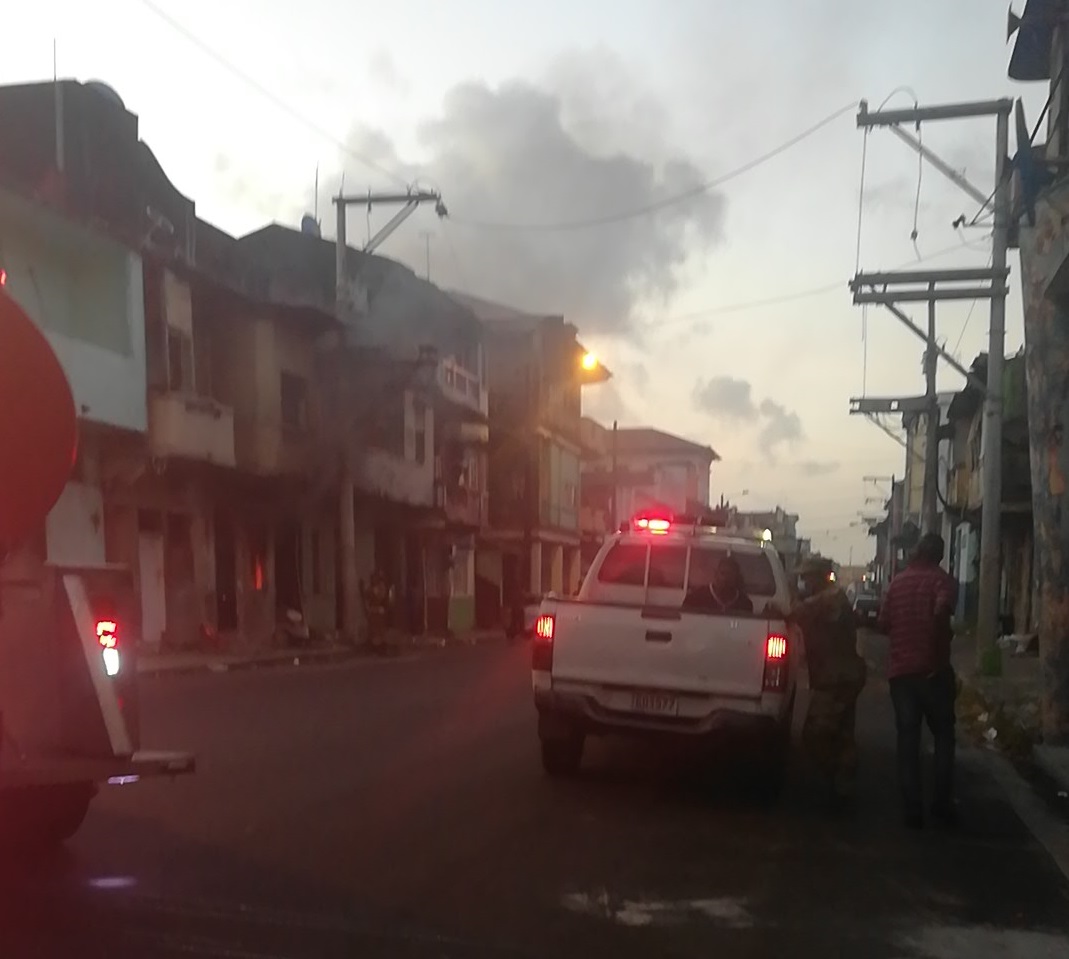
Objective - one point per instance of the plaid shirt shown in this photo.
(915, 615)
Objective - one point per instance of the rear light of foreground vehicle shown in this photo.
(108, 636)
(542, 650)
(775, 663)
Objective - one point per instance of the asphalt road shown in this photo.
(398, 808)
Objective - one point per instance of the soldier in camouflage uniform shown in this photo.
(836, 674)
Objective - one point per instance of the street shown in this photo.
(398, 808)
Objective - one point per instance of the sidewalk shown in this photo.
(1003, 712)
(188, 661)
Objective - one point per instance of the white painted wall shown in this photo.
(74, 529)
(85, 292)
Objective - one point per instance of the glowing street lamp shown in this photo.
(589, 362)
(766, 536)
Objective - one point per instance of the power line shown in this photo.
(276, 100)
(790, 297)
(662, 204)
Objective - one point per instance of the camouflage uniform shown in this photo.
(837, 675)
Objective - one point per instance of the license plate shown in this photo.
(655, 704)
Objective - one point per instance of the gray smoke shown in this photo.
(582, 145)
(728, 398)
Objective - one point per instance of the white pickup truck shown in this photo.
(627, 655)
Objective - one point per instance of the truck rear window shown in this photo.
(755, 568)
(624, 565)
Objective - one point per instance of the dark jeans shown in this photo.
(919, 699)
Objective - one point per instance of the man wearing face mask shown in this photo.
(837, 674)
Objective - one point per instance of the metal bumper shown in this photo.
(58, 770)
(563, 712)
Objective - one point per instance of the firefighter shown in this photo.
(376, 596)
(837, 674)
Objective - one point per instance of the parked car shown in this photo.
(866, 607)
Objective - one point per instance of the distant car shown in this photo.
(866, 608)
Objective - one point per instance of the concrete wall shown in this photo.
(85, 292)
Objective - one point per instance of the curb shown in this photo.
(314, 657)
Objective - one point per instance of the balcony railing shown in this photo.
(463, 387)
(397, 479)
(465, 507)
(191, 427)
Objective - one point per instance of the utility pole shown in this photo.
(345, 312)
(889, 289)
(930, 499)
(427, 235)
(987, 618)
(615, 480)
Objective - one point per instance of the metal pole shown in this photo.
(346, 506)
(614, 523)
(987, 619)
(930, 499)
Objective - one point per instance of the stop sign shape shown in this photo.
(38, 424)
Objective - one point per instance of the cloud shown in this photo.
(383, 71)
(780, 426)
(729, 398)
(582, 144)
(817, 467)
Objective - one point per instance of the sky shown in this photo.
(561, 136)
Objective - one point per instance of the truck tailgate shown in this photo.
(621, 646)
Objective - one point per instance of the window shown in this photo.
(668, 564)
(179, 361)
(755, 568)
(624, 565)
(419, 417)
(294, 397)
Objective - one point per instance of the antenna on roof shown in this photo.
(315, 197)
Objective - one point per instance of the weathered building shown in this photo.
(537, 369)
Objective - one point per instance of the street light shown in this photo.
(766, 536)
(589, 362)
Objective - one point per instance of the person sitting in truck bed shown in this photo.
(722, 592)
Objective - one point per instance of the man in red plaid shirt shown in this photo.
(915, 614)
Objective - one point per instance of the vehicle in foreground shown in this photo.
(638, 652)
(68, 684)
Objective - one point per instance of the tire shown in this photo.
(42, 817)
(562, 757)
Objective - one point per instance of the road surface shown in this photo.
(397, 808)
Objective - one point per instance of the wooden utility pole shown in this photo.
(931, 286)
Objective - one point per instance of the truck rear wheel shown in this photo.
(562, 756)
(43, 816)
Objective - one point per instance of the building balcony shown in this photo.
(462, 387)
(398, 479)
(463, 507)
(185, 426)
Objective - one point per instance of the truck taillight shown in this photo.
(542, 649)
(775, 663)
(108, 637)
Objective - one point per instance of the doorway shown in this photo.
(226, 574)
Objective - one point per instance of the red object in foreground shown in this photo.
(38, 424)
(542, 650)
(775, 663)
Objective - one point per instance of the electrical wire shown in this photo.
(920, 179)
(674, 200)
(791, 297)
(276, 100)
(861, 197)
(968, 316)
